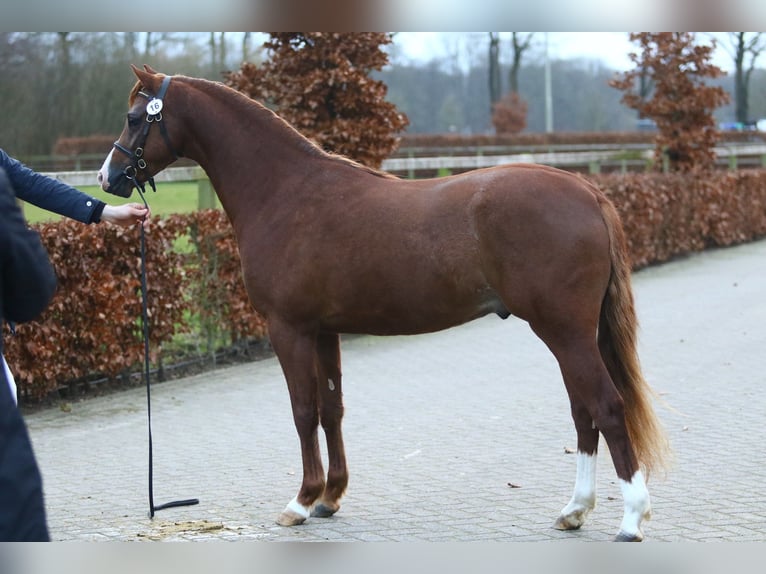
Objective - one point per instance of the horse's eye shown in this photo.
(133, 119)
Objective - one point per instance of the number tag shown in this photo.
(154, 107)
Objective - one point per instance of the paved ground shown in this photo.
(437, 427)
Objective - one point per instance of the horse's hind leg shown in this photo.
(330, 416)
(583, 500)
(588, 382)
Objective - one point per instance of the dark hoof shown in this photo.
(625, 537)
(322, 511)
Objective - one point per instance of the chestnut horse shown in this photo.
(329, 246)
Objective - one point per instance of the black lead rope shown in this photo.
(145, 320)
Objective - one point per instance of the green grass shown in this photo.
(170, 198)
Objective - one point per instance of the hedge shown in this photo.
(92, 328)
(668, 215)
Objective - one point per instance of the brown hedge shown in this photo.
(667, 215)
(214, 288)
(92, 328)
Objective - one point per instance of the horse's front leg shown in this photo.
(296, 350)
(330, 416)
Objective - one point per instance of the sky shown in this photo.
(349, 15)
(611, 48)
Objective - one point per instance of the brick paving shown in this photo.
(436, 428)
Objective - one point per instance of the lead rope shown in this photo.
(145, 321)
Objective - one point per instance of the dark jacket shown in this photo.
(27, 284)
(50, 194)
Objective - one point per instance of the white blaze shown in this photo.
(103, 173)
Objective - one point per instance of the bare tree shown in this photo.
(63, 122)
(520, 43)
(246, 41)
(129, 45)
(154, 40)
(148, 45)
(222, 51)
(495, 89)
(217, 52)
(509, 113)
(744, 48)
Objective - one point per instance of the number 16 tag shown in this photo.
(154, 107)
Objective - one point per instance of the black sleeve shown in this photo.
(27, 279)
(50, 194)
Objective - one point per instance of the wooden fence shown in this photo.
(613, 158)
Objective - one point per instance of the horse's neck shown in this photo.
(239, 146)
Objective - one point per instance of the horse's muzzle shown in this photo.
(121, 186)
(116, 183)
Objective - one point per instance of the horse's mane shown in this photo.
(134, 94)
(249, 105)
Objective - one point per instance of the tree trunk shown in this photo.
(740, 80)
(495, 90)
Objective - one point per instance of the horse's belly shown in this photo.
(412, 317)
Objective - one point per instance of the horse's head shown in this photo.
(142, 150)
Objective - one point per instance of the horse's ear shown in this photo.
(149, 80)
(149, 69)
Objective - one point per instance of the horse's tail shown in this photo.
(617, 341)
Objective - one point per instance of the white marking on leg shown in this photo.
(637, 505)
(584, 496)
(330, 384)
(298, 508)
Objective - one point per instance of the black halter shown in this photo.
(153, 115)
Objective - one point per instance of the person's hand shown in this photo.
(124, 215)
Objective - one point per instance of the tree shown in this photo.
(495, 88)
(217, 52)
(681, 105)
(320, 82)
(519, 45)
(509, 115)
(744, 50)
(247, 39)
(509, 111)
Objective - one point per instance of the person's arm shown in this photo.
(27, 278)
(50, 194)
(55, 196)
